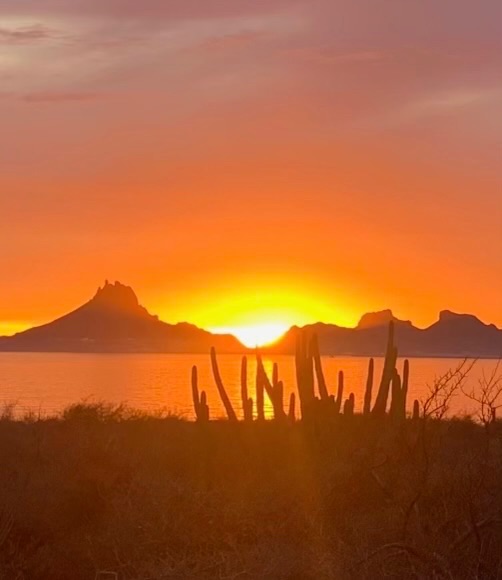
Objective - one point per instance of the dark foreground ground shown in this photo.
(108, 494)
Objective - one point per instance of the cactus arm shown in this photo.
(316, 355)
(339, 396)
(260, 411)
(221, 387)
(369, 387)
(380, 406)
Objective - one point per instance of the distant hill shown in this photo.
(114, 321)
(453, 335)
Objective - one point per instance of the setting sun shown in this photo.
(259, 311)
(255, 335)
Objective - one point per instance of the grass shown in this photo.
(107, 492)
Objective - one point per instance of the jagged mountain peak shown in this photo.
(380, 318)
(116, 295)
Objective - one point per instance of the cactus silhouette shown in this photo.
(339, 394)
(260, 397)
(304, 373)
(199, 403)
(274, 389)
(204, 407)
(321, 383)
(400, 392)
(369, 387)
(348, 407)
(380, 406)
(404, 388)
(396, 398)
(291, 410)
(416, 410)
(275, 374)
(221, 387)
(247, 403)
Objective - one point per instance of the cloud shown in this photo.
(470, 108)
(26, 34)
(454, 99)
(467, 101)
(339, 61)
(146, 10)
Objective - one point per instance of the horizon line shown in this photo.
(230, 329)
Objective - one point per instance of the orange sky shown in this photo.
(251, 162)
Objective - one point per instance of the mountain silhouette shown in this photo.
(383, 317)
(453, 335)
(114, 321)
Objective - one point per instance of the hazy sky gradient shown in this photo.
(241, 160)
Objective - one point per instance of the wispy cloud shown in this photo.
(455, 99)
(26, 34)
(145, 11)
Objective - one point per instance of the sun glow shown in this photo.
(255, 334)
(258, 311)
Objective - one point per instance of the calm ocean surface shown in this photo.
(49, 382)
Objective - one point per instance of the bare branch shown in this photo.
(444, 388)
(488, 395)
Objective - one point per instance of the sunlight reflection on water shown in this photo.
(50, 381)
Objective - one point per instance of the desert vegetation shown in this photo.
(320, 406)
(318, 491)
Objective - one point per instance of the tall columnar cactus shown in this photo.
(279, 412)
(416, 410)
(260, 397)
(260, 370)
(339, 394)
(404, 389)
(304, 373)
(275, 374)
(221, 387)
(316, 355)
(400, 392)
(247, 402)
(244, 379)
(380, 406)
(274, 389)
(348, 406)
(278, 390)
(396, 396)
(204, 407)
(200, 403)
(195, 392)
(291, 410)
(308, 364)
(369, 388)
